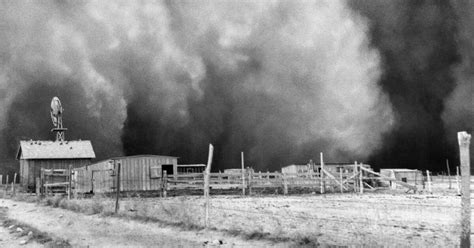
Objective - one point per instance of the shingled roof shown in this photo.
(46, 149)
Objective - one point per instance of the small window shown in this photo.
(404, 179)
(155, 171)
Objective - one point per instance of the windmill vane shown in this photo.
(57, 119)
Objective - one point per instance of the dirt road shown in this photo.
(82, 230)
(11, 238)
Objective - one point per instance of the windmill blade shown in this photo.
(56, 108)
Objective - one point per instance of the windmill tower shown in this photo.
(57, 118)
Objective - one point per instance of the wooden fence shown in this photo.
(105, 181)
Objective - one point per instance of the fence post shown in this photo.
(243, 172)
(464, 140)
(13, 184)
(355, 176)
(428, 178)
(321, 174)
(285, 183)
(206, 183)
(457, 181)
(361, 181)
(6, 187)
(449, 173)
(340, 178)
(164, 184)
(70, 182)
(250, 180)
(117, 188)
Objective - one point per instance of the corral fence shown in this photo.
(81, 182)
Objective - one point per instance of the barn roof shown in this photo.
(46, 149)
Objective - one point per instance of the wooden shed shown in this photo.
(34, 155)
(137, 173)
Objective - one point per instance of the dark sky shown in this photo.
(388, 83)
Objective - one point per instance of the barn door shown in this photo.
(103, 181)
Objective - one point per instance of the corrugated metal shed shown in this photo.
(45, 149)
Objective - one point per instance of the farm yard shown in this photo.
(154, 200)
(382, 217)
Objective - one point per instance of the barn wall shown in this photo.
(31, 169)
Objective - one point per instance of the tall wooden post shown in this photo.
(13, 184)
(117, 186)
(458, 184)
(6, 188)
(164, 186)
(243, 172)
(361, 181)
(321, 174)
(206, 183)
(449, 173)
(340, 179)
(250, 180)
(464, 140)
(355, 177)
(428, 181)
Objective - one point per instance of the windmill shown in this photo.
(57, 118)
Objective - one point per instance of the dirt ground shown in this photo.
(82, 230)
(382, 218)
(10, 237)
(343, 220)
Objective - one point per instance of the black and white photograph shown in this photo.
(236, 123)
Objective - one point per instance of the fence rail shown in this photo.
(80, 181)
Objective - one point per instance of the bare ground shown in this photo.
(82, 230)
(388, 218)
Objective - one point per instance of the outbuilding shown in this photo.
(137, 173)
(410, 176)
(35, 155)
(333, 168)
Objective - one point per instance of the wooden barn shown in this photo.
(137, 173)
(34, 155)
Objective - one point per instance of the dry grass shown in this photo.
(37, 235)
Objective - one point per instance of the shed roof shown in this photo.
(136, 156)
(46, 149)
(191, 165)
(401, 170)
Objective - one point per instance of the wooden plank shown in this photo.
(333, 178)
(322, 173)
(206, 184)
(389, 179)
(243, 172)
